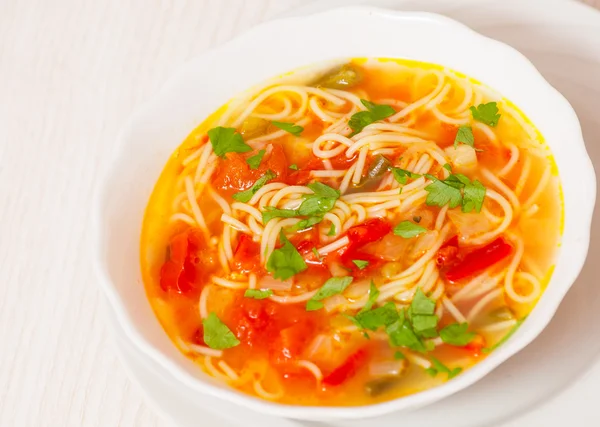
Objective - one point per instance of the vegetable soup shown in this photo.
(354, 235)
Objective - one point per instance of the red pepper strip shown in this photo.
(480, 259)
(347, 369)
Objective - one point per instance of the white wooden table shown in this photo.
(71, 72)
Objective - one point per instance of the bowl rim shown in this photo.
(507, 350)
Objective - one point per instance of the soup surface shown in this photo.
(349, 234)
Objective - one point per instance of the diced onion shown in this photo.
(334, 302)
(469, 224)
(423, 243)
(463, 158)
(387, 368)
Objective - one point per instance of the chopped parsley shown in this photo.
(331, 231)
(227, 140)
(439, 367)
(293, 167)
(374, 112)
(271, 212)
(464, 136)
(455, 190)
(408, 229)
(457, 334)
(360, 263)
(245, 196)
(373, 294)
(258, 293)
(486, 113)
(333, 286)
(285, 261)
(316, 253)
(380, 316)
(289, 127)
(217, 335)
(402, 175)
(319, 203)
(254, 161)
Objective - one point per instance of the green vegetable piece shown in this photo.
(245, 196)
(408, 229)
(380, 386)
(217, 335)
(457, 334)
(464, 136)
(441, 193)
(401, 334)
(440, 367)
(486, 113)
(333, 286)
(227, 140)
(344, 77)
(258, 293)
(293, 167)
(421, 304)
(254, 161)
(289, 127)
(285, 261)
(373, 294)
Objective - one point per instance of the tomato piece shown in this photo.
(476, 346)
(291, 342)
(480, 259)
(190, 263)
(369, 231)
(246, 257)
(447, 252)
(347, 369)
(233, 174)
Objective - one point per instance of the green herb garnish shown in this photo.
(486, 113)
(402, 175)
(457, 334)
(293, 167)
(271, 212)
(464, 136)
(254, 161)
(440, 367)
(455, 190)
(408, 229)
(258, 293)
(374, 112)
(289, 127)
(360, 263)
(285, 261)
(227, 140)
(217, 335)
(245, 196)
(333, 286)
(331, 231)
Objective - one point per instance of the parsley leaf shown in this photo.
(441, 193)
(245, 196)
(408, 229)
(258, 293)
(402, 175)
(289, 127)
(486, 113)
(216, 334)
(421, 304)
(464, 136)
(254, 161)
(373, 294)
(227, 140)
(473, 196)
(319, 203)
(360, 263)
(271, 212)
(381, 316)
(293, 167)
(440, 367)
(374, 112)
(333, 286)
(401, 333)
(316, 253)
(457, 334)
(285, 261)
(399, 356)
(331, 230)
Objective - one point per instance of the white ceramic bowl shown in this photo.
(284, 45)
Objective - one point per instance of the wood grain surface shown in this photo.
(71, 72)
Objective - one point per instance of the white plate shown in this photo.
(563, 40)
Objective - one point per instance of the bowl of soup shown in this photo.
(344, 215)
